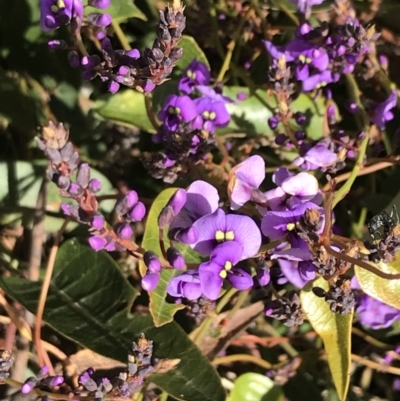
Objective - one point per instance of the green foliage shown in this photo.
(191, 50)
(89, 301)
(119, 10)
(162, 311)
(384, 290)
(335, 331)
(255, 387)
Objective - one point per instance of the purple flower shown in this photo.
(53, 15)
(220, 267)
(278, 225)
(316, 157)
(177, 110)
(304, 6)
(186, 285)
(201, 199)
(245, 177)
(381, 112)
(211, 114)
(197, 73)
(218, 227)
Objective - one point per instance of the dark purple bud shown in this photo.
(300, 118)
(53, 155)
(150, 281)
(99, 3)
(57, 44)
(300, 135)
(157, 55)
(148, 86)
(274, 121)
(89, 62)
(134, 53)
(83, 175)
(56, 381)
(75, 190)
(280, 139)
(126, 203)
(63, 182)
(123, 231)
(152, 262)
(187, 235)
(178, 200)
(98, 19)
(87, 381)
(97, 243)
(97, 222)
(124, 70)
(74, 161)
(43, 372)
(263, 273)
(166, 216)
(175, 258)
(67, 151)
(29, 385)
(94, 185)
(113, 87)
(137, 212)
(176, 54)
(88, 75)
(73, 59)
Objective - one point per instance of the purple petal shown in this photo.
(150, 281)
(211, 281)
(240, 279)
(293, 254)
(280, 175)
(302, 184)
(241, 193)
(228, 251)
(292, 273)
(97, 243)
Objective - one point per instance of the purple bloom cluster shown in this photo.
(318, 56)
(64, 163)
(117, 67)
(189, 121)
(196, 219)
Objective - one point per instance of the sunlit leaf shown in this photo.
(387, 291)
(89, 301)
(162, 311)
(119, 10)
(191, 50)
(335, 331)
(127, 106)
(255, 387)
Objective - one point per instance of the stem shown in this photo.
(345, 188)
(205, 325)
(162, 243)
(240, 301)
(286, 346)
(242, 358)
(44, 292)
(120, 35)
(232, 44)
(150, 112)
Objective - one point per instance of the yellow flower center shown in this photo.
(291, 226)
(228, 266)
(221, 236)
(223, 274)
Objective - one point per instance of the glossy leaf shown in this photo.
(335, 331)
(255, 387)
(387, 291)
(127, 106)
(251, 115)
(162, 311)
(119, 10)
(89, 301)
(191, 50)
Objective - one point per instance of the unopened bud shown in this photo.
(83, 175)
(152, 261)
(166, 216)
(138, 212)
(175, 258)
(124, 231)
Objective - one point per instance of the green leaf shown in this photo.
(119, 10)
(191, 50)
(126, 106)
(335, 331)
(250, 116)
(162, 311)
(386, 291)
(255, 387)
(89, 301)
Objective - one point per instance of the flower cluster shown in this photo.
(189, 121)
(139, 367)
(73, 178)
(117, 67)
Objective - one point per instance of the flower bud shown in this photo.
(67, 151)
(29, 385)
(97, 243)
(73, 59)
(56, 381)
(83, 175)
(99, 19)
(53, 155)
(94, 185)
(113, 87)
(123, 231)
(99, 3)
(86, 380)
(57, 44)
(178, 200)
(152, 262)
(75, 190)
(97, 222)
(165, 217)
(137, 212)
(150, 281)
(175, 258)
(188, 235)
(63, 182)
